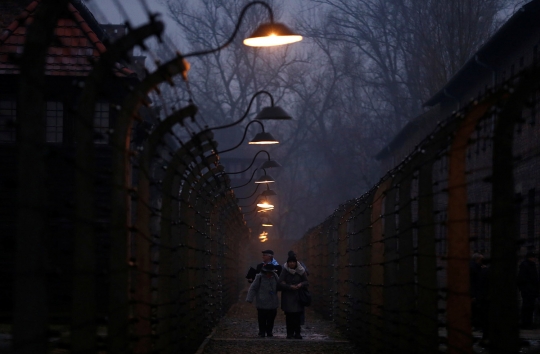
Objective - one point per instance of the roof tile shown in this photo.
(78, 42)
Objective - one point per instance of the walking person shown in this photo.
(301, 265)
(292, 278)
(529, 286)
(267, 258)
(264, 291)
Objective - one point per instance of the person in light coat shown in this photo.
(291, 279)
(263, 290)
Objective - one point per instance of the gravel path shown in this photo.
(237, 333)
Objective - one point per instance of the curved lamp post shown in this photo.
(121, 214)
(268, 192)
(267, 223)
(266, 164)
(262, 138)
(263, 179)
(271, 112)
(261, 203)
(266, 35)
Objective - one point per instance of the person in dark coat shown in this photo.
(264, 291)
(268, 258)
(301, 265)
(291, 279)
(529, 286)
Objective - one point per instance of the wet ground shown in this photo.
(237, 333)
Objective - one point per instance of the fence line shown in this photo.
(165, 270)
(399, 256)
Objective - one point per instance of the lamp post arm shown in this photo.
(243, 185)
(251, 164)
(237, 27)
(244, 137)
(253, 174)
(252, 194)
(247, 111)
(253, 202)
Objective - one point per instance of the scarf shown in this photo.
(299, 269)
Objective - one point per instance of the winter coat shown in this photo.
(528, 281)
(289, 297)
(277, 267)
(264, 291)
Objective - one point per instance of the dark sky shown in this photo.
(107, 12)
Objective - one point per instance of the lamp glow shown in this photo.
(265, 179)
(265, 205)
(264, 210)
(272, 34)
(263, 139)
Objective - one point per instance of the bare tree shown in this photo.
(364, 73)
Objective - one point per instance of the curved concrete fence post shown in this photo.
(377, 267)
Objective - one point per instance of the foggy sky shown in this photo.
(106, 11)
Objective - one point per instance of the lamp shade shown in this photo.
(264, 139)
(272, 34)
(269, 164)
(267, 223)
(273, 112)
(268, 193)
(265, 179)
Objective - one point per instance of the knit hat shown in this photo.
(291, 254)
(268, 268)
(292, 259)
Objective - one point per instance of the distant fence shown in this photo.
(146, 255)
(391, 268)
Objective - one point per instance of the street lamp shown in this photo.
(267, 223)
(262, 138)
(265, 204)
(268, 192)
(264, 210)
(263, 179)
(266, 164)
(271, 112)
(272, 34)
(266, 35)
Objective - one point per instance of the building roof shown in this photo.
(506, 40)
(78, 40)
(405, 133)
(486, 59)
(10, 9)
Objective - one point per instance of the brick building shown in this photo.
(79, 40)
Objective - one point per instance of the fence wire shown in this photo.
(127, 237)
(392, 267)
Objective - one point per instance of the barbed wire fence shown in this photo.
(391, 267)
(153, 233)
